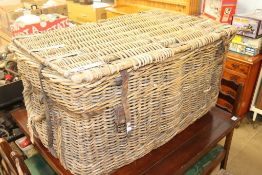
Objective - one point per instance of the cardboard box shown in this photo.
(249, 42)
(8, 14)
(249, 25)
(59, 9)
(5, 13)
(220, 10)
(61, 22)
(242, 49)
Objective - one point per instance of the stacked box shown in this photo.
(55, 23)
(246, 45)
(8, 14)
(102, 95)
(249, 25)
(249, 38)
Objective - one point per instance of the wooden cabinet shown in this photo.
(86, 13)
(122, 7)
(5, 38)
(241, 69)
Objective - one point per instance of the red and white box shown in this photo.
(220, 10)
(18, 30)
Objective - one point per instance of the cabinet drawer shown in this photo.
(224, 104)
(227, 90)
(236, 66)
(233, 77)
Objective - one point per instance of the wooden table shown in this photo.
(176, 156)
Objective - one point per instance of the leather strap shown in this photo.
(122, 112)
(48, 119)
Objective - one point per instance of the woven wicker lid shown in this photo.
(94, 50)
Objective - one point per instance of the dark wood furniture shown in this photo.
(230, 97)
(12, 162)
(242, 70)
(174, 157)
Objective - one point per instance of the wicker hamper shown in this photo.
(101, 95)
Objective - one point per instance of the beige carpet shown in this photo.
(223, 172)
(245, 157)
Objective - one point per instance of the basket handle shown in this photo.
(34, 7)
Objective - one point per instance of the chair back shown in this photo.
(12, 162)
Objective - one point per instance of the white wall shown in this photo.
(245, 6)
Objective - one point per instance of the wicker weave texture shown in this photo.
(105, 94)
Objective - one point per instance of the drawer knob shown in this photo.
(234, 78)
(242, 70)
(235, 66)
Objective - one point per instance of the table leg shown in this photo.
(227, 148)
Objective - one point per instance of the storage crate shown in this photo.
(102, 95)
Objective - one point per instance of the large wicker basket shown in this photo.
(103, 94)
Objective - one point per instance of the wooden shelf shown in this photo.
(175, 2)
(126, 9)
(216, 162)
(190, 7)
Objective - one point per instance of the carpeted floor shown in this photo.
(245, 157)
